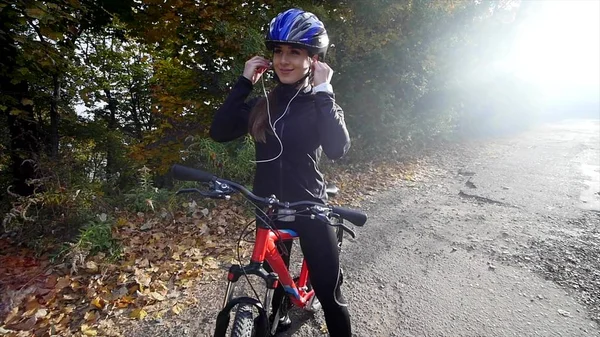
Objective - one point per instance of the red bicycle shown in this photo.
(299, 292)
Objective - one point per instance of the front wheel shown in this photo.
(243, 323)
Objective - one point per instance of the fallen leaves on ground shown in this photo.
(158, 267)
(358, 183)
(164, 257)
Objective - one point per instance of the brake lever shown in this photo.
(188, 190)
(325, 219)
(346, 228)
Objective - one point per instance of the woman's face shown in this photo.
(290, 63)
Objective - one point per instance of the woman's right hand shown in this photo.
(255, 67)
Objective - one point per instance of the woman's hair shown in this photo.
(258, 125)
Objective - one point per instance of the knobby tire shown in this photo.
(243, 323)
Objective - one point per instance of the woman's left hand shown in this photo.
(322, 73)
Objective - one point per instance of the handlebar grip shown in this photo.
(355, 217)
(190, 174)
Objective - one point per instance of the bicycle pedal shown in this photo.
(313, 304)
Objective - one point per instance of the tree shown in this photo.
(38, 40)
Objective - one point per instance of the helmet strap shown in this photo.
(301, 81)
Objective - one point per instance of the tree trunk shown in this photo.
(135, 115)
(54, 117)
(22, 129)
(111, 157)
(24, 145)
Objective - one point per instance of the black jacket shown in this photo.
(313, 122)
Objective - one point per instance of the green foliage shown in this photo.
(94, 238)
(62, 201)
(232, 160)
(145, 197)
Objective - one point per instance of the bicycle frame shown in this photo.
(265, 249)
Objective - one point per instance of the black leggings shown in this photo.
(319, 246)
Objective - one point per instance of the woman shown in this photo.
(291, 126)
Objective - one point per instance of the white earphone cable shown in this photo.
(272, 125)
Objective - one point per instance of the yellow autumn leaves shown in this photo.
(159, 267)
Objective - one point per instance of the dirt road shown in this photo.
(494, 238)
(472, 249)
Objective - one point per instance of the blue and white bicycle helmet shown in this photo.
(299, 28)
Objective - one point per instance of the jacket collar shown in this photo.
(287, 91)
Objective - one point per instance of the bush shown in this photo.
(145, 197)
(94, 238)
(61, 203)
(231, 160)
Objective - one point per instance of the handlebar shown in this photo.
(186, 173)
(223, 189)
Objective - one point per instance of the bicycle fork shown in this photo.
(229, 302)
(231, 287)
(254, 268)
